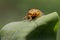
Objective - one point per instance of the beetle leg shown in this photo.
(30, 18)
(25, 17)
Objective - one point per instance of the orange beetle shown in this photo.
(33, 13)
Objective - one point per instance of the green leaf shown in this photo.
(56, 27)
(58, 31)
(40, 28)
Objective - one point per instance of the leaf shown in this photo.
(56, 27)
(36, 29)
(58, 31)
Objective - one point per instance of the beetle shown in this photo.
(33, 13)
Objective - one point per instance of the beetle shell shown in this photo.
(33, 13)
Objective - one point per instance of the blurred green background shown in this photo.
(15, 10)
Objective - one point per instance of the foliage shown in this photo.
(40, 28)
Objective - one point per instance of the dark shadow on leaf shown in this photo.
(43, 32)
